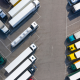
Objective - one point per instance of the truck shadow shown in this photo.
(4, 4)
(70, 14)
(22, 22)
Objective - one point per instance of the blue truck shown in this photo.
(74, 37)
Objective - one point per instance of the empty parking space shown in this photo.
(4, 49)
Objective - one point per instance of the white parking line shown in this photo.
(38, 14)
(38, 18)
(2, 77)
(73, 32)
(37, 38)
(5, 46)
(9, 39)
(34, 78)
(4, 56)
(8, 55)
(73, 23)
(8, 45)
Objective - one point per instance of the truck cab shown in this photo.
(71, 38)
(74, 55)
(73, 2)
(3, 28)
(2, 60)
(3, 16)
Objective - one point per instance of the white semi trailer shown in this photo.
(34, 26)
(21, 57)
(22, 68)
(21, 5)
(24, 13)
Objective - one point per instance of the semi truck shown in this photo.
(21, 5)
(76, 7)
(74, 76)
(3, 28)
(25, 33)
(27, 52)
(25, 65)
(73, 2)
(24, 13)
(74, 46)
(27, 74)
(74, 37)
(74, 55)
(75, 65)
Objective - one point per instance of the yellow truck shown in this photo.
(74, 47)
(74, 55)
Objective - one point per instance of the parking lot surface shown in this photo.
(56, 22)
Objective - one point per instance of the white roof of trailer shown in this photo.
(25, 76)
(75, 76)
(77, 65)
(21, 15)
(77, 6)
(18, 7)
(18, 60)
(77, 44)
(13, 1)
(77, 35)
(19, 70)
(77, 54)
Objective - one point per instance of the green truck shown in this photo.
(2, 60)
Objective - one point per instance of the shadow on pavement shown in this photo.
(72, 15)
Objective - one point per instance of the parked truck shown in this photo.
(74, 55)
(3, 28)
(74, 76)
(74, 37)
(27, 74)
(30, 29)
(76, 7)
(27, 52)
(24, 13)
(21, 5)
(74, 46)
(25, 65)
(75, 65)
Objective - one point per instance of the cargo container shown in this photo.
(24, 13)
(21, 57)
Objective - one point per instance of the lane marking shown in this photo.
(5, 46)
(9, 39)
(73, 23)
(73, 32)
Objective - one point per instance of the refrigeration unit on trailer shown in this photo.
(74, 55)
(75, 65)
(74, 37)
(74, 76)
(74, 46)
(24, 34)
(21, 5)
(24, 13)
(27, 52)
(22, 68)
